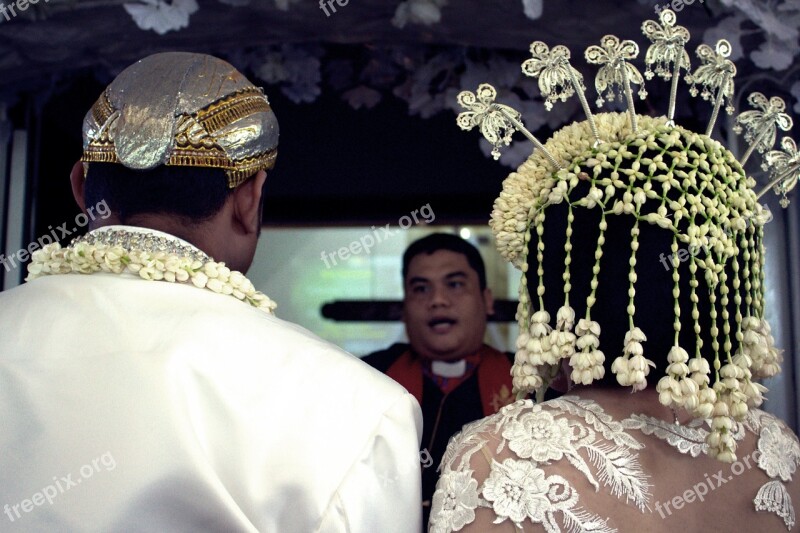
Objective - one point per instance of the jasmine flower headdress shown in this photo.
(659, 174)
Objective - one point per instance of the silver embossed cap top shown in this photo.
(182, 109)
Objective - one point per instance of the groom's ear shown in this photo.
(77, 179)
(247, 202)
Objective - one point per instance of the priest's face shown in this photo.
(444, 308)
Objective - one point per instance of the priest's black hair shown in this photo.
(446, 241)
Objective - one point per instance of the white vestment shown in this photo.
(145, 406)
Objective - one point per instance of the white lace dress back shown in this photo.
(589, 464)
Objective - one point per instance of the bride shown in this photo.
(661, 428)
(606, 458)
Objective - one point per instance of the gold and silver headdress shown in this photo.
(204, 113)
(660, 174)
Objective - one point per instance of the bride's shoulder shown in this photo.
(525, 425)
(524, 465)
(756, 420)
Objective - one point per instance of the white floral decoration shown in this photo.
(456, 497)
(681, 181)
(729, 28)
(566, 431)
(774, 459)
(161, 16)
(362, 97)
(493, 119)
(773, 54)
(778, 23)
(533, 8)
(562, 340)
(84, 258)
(539, 346)
(677, 389)
(784, 168)
(614, 55)
(283, 5)
(632, 368)
(296, 68)
(518, 490)
(587, 364)
(557, 78)
(538, 436)
(760, 125)
(774, 498)
(600, 449)
(426, 12)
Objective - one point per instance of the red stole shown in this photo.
(494, 377)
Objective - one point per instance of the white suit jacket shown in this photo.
(143, 406)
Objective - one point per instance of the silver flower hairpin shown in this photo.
(668, 48)
(784, 166)
(666, 57)
(760, 126)
(715, 75)
(613, 55)
(492, 118)
(496, 121)
(558, 79)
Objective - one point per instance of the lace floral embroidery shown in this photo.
(774, 459)
(779, 457)
(779, 453)
(686, 439)
(456, 501)
(773, 497)
(538, 436)
(518, 489)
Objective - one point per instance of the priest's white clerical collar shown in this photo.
(449, 369)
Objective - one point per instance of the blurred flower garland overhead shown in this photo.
(765, 34)
(163, 16)
(428, 79)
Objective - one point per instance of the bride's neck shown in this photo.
(620, 402)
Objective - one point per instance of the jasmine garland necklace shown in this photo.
(154, 257)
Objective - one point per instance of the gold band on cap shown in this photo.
(216, 116)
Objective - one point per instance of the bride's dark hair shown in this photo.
(653, 299)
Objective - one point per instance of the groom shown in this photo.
(145, 385)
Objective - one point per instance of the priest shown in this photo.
(446, 365)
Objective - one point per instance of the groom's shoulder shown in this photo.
(382, 359)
